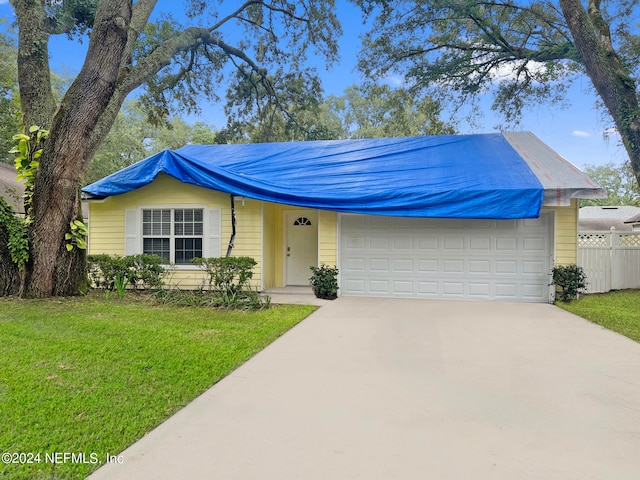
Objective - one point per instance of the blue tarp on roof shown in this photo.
(452, 176)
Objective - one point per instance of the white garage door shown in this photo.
(446, 258)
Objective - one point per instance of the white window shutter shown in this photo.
(214, 234)
(131, 231)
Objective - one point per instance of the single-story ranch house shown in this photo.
(457, 216)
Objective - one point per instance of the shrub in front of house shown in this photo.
(227, 274)
(570, 279)
(111, 272)
(324, 282)
(229, 284)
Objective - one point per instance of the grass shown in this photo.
(618, 311)
(91, 376)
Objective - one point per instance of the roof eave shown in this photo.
(89, 197)
(561, 196)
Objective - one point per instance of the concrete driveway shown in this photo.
(406, 389)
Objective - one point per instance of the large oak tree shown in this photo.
(177, 64)
(519, 51)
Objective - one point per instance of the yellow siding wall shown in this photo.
(106, 233)
(248, 242)
(269, 212)
(566, 233)
(328, 238)
(106, 228)
(275, 227)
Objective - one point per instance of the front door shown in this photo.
(301, 249)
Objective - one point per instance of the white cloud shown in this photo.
(610, 132)
(508, 71)
(394, 81)
(580, 133)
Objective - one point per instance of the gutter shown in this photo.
(233, 226)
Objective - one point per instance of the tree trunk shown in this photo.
(611, 79)
(36, 97)
(55, 271)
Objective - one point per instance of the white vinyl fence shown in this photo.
(611, 261)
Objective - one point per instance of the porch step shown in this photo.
(298, 295)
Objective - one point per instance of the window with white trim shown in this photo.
(175, 234)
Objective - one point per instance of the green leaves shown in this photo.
(571, 279)
(73, 17)
(76, 235)
(519, 52)
(140, 271)
(18, 243)
(373, 111)
(229, 282)
(28, 150)
(324, 282)
(619, 182)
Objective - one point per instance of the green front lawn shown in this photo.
(89, 376)
(618, 311)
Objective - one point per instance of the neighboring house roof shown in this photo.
(633, 219)
(603, 218)
(452, 176)
(10, 189)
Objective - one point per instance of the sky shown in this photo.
(576, 133)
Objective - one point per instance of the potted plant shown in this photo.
(324, 282)
(570, 281)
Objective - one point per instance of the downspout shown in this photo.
(233, 226)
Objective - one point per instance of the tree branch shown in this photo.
(161, 57)
(234, 14)
(140, 14)
(190, 39)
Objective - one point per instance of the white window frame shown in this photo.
(211, 229)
